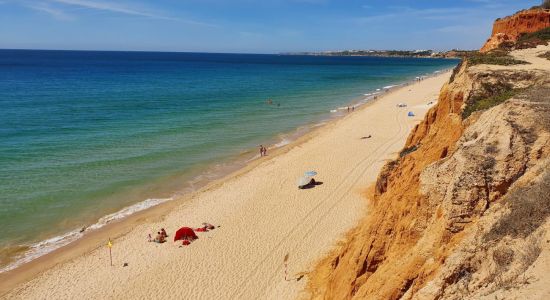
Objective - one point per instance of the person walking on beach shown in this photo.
(265, 151)
(261, 150)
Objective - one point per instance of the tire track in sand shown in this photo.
(363, 166)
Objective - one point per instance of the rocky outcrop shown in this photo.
(449, 218)
(494, 196)
(509, 29)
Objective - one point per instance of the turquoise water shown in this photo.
(84, 134)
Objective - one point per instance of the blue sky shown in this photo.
(250, 26)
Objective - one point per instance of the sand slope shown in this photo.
(262, 216)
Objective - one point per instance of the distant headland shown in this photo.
(455, 53)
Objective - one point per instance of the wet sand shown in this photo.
(261, 213)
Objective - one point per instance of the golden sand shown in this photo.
(262, 214)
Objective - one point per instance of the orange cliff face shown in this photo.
(446, 218)
(510, 28)
(382, 244)
(437, 212)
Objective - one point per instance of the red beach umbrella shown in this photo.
(185, 233)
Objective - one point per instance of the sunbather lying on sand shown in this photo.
(205, 227)
(209, 226)
(159, 238)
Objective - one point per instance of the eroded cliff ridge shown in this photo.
(509, 29)
(464, 211)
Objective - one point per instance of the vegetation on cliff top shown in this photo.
(483, 103)
(495, 57)
(546, 4)
(528, 40)
(543, 34)
(502, 86)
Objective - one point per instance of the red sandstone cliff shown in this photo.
(464, 211)
(510, 28)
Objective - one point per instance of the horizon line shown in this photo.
(213, 52)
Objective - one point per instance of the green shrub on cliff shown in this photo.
(529, 208)
(408, 150)
(543, 34)
(478, 104)
(495, 57)
(533, 39)
(545, 4)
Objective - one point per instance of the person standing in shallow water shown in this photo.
(263, 150)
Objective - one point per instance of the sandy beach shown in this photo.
(261, 213)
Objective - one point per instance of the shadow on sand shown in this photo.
(311, 185)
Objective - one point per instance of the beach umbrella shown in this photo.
(310, 173)
(304, 181)
(185, 233)
(410, 114)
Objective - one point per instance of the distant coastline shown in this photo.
(389, 53)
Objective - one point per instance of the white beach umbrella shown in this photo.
(310, 173)
(304, 180)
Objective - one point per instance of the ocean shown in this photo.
(88, 137)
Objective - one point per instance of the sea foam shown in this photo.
(46, 246)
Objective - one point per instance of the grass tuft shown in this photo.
(533, 39)
(482, 103)
(529, 209)
(408, 150)
(495, 57)
(543, 34)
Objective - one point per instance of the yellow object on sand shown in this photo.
(110, 244)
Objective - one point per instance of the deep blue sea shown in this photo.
(84, 134)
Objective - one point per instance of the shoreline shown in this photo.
(194, 180)
(121, 227)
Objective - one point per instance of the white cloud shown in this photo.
(54, 12)
(110, 7)
(122, 9)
